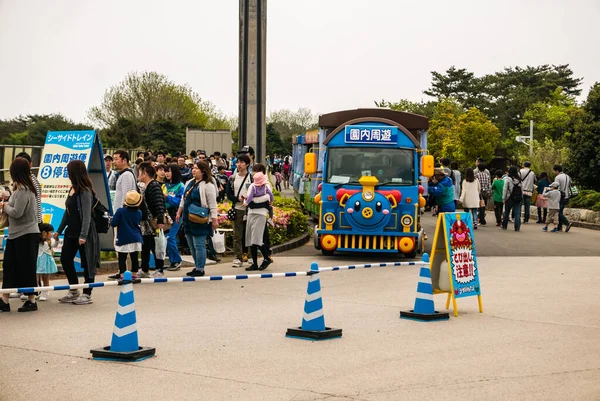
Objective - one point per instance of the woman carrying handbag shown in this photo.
(198, 209)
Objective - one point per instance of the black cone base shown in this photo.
(131, 356)
(425, 317)
(326, 334)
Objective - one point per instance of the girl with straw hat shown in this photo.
(128, 235)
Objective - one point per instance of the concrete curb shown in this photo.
(583, 224)
(291, 244)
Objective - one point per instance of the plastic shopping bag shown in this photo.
(218, 240)
(160, 243)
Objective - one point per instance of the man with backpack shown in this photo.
(528, 180)
(564, 186)
(512, 196)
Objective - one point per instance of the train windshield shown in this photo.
(390, 166)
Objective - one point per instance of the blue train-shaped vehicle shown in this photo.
(360, 175)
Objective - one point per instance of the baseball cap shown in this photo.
(246, 150)
(108, 157)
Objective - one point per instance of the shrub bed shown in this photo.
(289, 221)
(587, 199)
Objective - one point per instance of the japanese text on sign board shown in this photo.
(362, 134)
(78, 140)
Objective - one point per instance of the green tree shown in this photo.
(552, 118)
(545, 155)
(289, 123)
(459, 84)
(473, 136)
(426, 109)
(584, 160)
(32, 129)
(275, 144)
(442, 125)
(146, 97)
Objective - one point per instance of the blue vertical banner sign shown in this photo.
(60, 148)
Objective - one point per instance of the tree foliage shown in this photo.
(32, 129)
(148, 110)
(584, 160)
(275, 145)
(289, 123)
(426, 109)
(553, 118)
(473, 136)
(442, 125)
(504, 96)
(545, 155)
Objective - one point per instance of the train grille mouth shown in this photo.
(375, 242)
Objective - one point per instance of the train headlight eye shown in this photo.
(368, 195)
(407, 221)
(329, 218)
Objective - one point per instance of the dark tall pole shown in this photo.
(252, 75)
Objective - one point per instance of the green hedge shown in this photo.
(587, 199)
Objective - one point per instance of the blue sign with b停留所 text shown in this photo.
(371, 134)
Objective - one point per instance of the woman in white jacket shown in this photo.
(470, 194)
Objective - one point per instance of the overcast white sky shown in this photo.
(327, 55)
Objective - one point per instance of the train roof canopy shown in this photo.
(412, 122)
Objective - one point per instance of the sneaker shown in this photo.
(174, 267)
(142, 274)
(195, 273)
(14, 295)
(115, 277)
(4, 306)
(28, 306)
(158, 274)
(526, 222)
(213, 257)
(539, 222)
(84, 299)
(43, 296)
(264, 264)
(237, 263)
(568, 227)
(545, 229)
(554, 230)
(24, 297)
(251, 268)
(70, 297)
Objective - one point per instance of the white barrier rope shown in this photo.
(205, 278)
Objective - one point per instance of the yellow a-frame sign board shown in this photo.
(454, 268)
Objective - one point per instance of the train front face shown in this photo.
(370, 196)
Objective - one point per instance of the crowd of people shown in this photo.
(157, 197)
(510, 191)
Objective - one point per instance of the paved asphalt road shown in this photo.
(492, 241)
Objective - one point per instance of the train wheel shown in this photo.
(327, 253)
(411, 254)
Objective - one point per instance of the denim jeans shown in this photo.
(474, 213)
(527, 205)
(198, 249)
(512, 206)
(172, 251)
(562, 220)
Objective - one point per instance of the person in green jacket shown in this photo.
(497, 188)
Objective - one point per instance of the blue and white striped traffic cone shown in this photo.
(124, 345)
(313, 322)
(424, 309)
